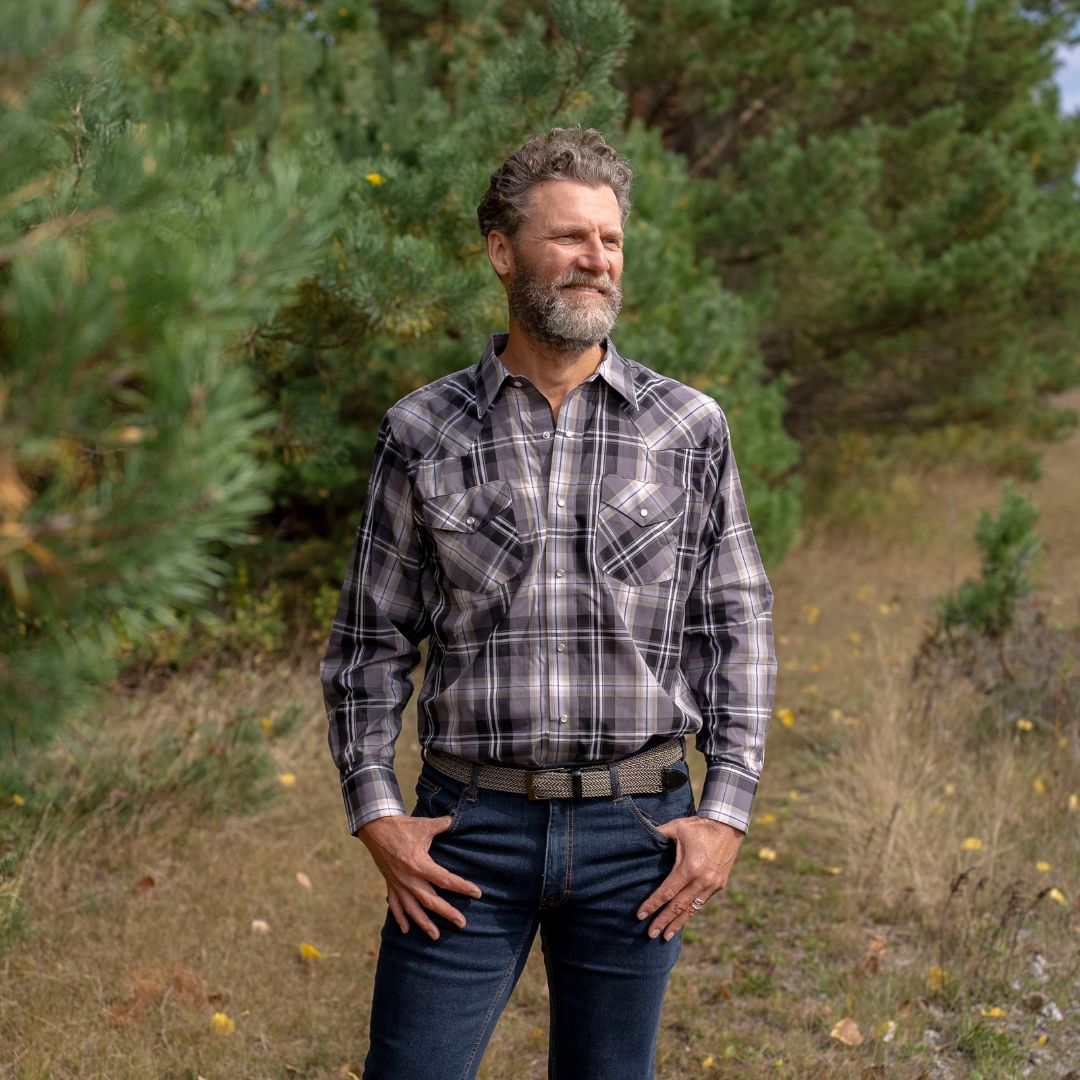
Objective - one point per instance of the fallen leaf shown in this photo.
(303, 880)
(143, 885)
(309, 952)
(1034, 1001)
(935, 978)
(222, 1024)
(260, 926)
(847, 1032)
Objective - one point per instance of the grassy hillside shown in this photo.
(905, 883)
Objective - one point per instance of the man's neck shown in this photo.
(553, 372)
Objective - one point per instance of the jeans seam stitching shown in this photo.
(646, 824)
(495, 1001)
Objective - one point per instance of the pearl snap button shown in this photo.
(560, 573)
(561, 502)
(561, 647)
(547, 434)
(564, 718)
(516, 384)
(470, 521)
(643, 512)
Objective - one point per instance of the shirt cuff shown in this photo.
(728, 795)
(370, 792)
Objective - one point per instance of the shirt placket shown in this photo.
(560, 570)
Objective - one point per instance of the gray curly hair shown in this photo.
(571, 153)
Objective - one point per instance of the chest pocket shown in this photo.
(475, 535)
(637, 530)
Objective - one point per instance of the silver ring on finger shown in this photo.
(696, 905)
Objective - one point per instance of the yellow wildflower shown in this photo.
(18, 800)
(375, 178)
(935, 978)
(767, 854)
(994, 1012)
(1023, 724)
(1057, 896)
(1043, 866)
(287, 779)
(1038, 786)
(785, 716)
(309, 952)
(971, 843)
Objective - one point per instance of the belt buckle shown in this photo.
(530, 776)
(575, 783)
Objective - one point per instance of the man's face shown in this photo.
(565, 289)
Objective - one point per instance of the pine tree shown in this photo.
(891, 187)
(129, 433)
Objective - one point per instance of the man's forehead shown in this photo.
(570, 201)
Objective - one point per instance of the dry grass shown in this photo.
(138, 916)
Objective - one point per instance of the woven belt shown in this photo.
(646, 773)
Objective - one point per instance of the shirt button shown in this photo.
(547, 434)
(643, 512)
(470, 521)
(516, 384)
(560, 572)
(561, 502)
(561, 647)
(564, 718)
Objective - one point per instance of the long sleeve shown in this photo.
(728, 654)
(374, 642)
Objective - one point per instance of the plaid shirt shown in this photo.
(585, 585)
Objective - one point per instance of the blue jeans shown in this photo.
(577, 869)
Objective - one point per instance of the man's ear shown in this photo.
(500, 253)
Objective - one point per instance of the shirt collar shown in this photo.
(491, 373)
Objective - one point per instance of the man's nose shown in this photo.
(594, 256)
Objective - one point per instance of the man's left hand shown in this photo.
(704, 853)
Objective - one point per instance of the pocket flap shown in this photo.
(641, 500)
(463, 511)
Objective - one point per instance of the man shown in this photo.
(568, 528)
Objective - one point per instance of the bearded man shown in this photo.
(568, 528)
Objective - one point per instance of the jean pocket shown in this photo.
(435, 798)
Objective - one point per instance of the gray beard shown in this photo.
(558, 319)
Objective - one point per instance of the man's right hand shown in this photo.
(399, 845)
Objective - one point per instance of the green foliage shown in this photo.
(233, 232)
(890, 188)
(1009, 546)
(131, 439)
